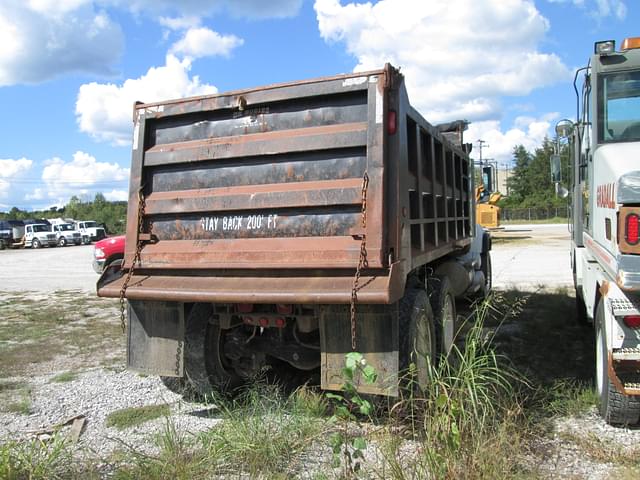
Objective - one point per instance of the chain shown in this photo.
(136, 259)
(362, 261)
(178, 357)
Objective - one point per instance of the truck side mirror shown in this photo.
(564, 128)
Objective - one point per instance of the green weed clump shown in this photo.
(264, 431)
(65, 377)
(261, 434)
(133, 416)
(35, 459)
(468, 422)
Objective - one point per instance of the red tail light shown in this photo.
(631, 230)
(392, 122)
(280, 322)
(632, 321)
(264, 322)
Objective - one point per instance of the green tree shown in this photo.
(531, 185)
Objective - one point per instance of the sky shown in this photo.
(70, 70)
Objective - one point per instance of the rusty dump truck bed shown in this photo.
(258, 195)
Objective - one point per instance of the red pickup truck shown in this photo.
(107, 251)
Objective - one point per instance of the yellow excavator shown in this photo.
(487, 212)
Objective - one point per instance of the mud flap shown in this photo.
(156, 337)
(376, 339)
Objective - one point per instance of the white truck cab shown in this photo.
(39, 234)
(90, 230)
(66, 234)
(605, 233)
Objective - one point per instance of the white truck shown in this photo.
(66, 233)
(39, 234)
(91, 231)
(605, 224)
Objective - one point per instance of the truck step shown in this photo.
(626, 354)
(624, 306)
(632, 388)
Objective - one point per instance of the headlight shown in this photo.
(98, 253)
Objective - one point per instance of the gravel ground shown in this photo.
(528, 258)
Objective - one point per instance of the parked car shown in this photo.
(107, 251)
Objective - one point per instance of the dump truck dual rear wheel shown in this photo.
(205, 367)
(615, 407)
(417, 338)
(443, 305)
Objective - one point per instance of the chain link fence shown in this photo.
(533, 214)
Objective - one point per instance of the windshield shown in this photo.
(41, 228)
(65, 227)
(619, 107)
(90, 224)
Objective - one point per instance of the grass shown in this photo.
(65, 377)
(471, 410)
(22, 405)
(36, 460)
(263, 434)
(524, 363)
(34, 331)
(134, 416)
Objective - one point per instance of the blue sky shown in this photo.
(71, 69)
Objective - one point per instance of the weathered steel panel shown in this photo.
(304, 89)
(286, 223)
(294, 114)
(293, 168)
(300, 140)
(272, 196)
(244, 286)
(156, 336)
(376, 339)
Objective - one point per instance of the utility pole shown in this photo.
(481, 144)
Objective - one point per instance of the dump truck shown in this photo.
(605, 236)
(287, 225)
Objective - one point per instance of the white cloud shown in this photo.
(11, 169)
(202, 42)
(104, 110)
(83, 175)
(603, 8)
(180, 23)
(42, 39)
(526, 131)
(117, 195)
(459, 57)
(55, 7)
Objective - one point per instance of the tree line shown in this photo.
(112, 215)
(530, 184)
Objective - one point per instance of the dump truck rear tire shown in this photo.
(615, 407)
(443, 305)
(417, 338)
(204, 365)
